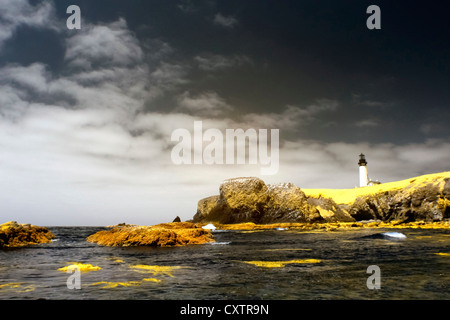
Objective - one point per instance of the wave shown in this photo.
(386, 235)
(396, 235)
(219, 243)
(209, 226)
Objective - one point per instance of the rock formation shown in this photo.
(420, 200)
(251, 200)
(424, 198)
(13, 234)
(161, 235)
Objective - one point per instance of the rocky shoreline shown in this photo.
(13, 234)
(249, 199)
(250, 204)
(161, 235)
(334, 226)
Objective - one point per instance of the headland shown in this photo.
(420, 200)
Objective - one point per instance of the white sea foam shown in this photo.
(396, 235)
(210, 226)
(219, 243)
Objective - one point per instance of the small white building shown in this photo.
(364, 180)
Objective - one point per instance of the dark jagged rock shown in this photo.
(330, 211)
(424, 202)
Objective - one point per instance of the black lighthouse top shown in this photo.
(362, 160)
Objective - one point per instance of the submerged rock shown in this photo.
(281, 264)
(13, 234)
(83, 267)
(162, 235)
(386, 235)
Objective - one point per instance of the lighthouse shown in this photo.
(363, 174)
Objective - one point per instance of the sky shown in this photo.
(87, 115)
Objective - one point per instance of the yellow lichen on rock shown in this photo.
(324, 213)
(151, 280)
(249, 199)
(155, 270)
(348, 196)
(134, 283)
(110, 284)
(13, 234)
(17, 287)
(334, 226)
(83, 267)
(445, 254)
(280, 264)
(166, 234)
(443, 203)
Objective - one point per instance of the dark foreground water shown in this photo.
(411, 268)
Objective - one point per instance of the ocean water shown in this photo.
(413, 264)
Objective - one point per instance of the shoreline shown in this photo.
(188, 233)
(333, 226)
(349, 196)
(250, 199)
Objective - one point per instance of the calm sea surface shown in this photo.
(411, 268)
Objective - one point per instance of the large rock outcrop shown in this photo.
(162, 235)
(13, 234)
(421, 200)
(424, 198)
(251, 200)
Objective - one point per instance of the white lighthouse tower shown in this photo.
(363, 174)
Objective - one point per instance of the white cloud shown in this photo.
(207, 104)
(14, 13)
(292, 117)
(167, 76)
(33, 77)
(225, 21)
(105, 45)
(313, 164)
(71, 146)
